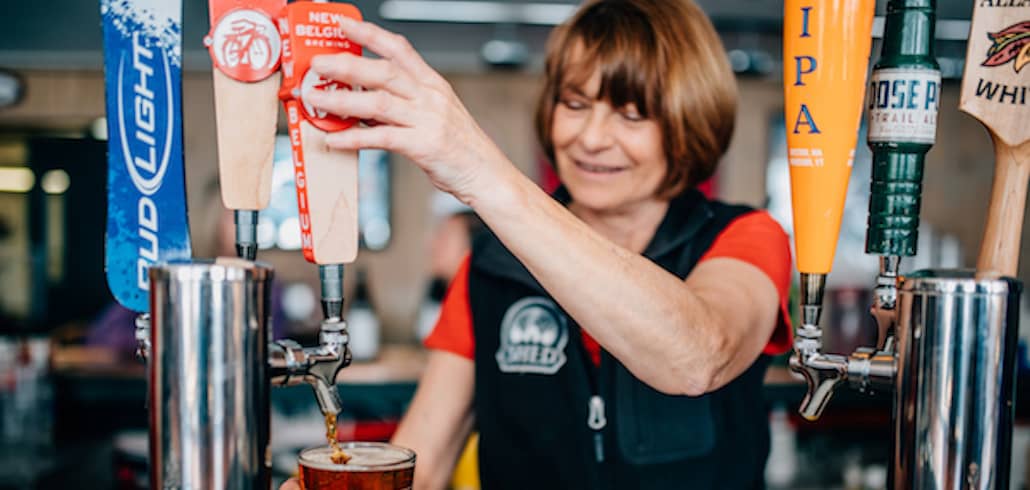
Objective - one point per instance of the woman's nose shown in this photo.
(596, 133)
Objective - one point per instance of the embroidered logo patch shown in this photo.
(533, 337)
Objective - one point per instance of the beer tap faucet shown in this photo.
(246, 233)
(143, 336)
(317, 366)
(822, 372)
(829, 45)
(885, 300)
(327, 190)
(290, 364)
(899, 149)
(330, 277)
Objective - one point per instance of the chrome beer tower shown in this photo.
(947, 339)
(210, 369)
(211, 364)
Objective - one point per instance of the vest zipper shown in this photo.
(597, 419)
(596, 422)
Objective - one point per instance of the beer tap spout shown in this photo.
(822, 373)
(331, 278)
(885, 301)
(290, 364)
(864, 369)
(246, 233)
(143, 337)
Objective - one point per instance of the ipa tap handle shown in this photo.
(827, 46)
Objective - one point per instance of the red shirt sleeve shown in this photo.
(759, 240)
(453, 330)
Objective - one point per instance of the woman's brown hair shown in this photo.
(664, 57)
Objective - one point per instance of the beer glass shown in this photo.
(372, 466)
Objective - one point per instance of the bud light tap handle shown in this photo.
(146, 185)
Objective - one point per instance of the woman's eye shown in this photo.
(573, 104)
(631, 114)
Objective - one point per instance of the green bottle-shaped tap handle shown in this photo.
(904, 95)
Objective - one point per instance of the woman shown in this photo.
(613, 335)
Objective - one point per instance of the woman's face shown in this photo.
(609, 158)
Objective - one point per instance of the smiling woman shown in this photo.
(645, 67)
(616, 333)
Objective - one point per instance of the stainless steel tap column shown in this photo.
(208, 380)
(957, 340)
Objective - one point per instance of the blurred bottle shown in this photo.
(782, 466)
(363, 324)
(429, 310)
(26, 410)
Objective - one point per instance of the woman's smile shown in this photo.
(600, 169)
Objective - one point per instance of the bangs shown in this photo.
(662, 56)
(617, 40)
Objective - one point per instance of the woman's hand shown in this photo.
(291, 484)
(415, 110)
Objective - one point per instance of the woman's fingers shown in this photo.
(386, 44)
(364, 72)
(291, 484)
(379, 105)
(389, 138)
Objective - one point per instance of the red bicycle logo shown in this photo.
(245, 45)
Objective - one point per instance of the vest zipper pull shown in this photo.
(596, 421)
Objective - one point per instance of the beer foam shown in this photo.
(365, 456)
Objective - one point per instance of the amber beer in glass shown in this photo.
(372, 466)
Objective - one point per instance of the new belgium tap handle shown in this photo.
(326, 179)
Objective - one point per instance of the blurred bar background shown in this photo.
(71, 392)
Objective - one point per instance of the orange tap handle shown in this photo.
(826, 46)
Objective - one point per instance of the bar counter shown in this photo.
(100, 399)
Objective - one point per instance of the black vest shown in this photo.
(548, 418)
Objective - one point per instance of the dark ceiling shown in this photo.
(66, 34)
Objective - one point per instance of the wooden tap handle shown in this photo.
(999, 251)
(332, 194)
(246, 116)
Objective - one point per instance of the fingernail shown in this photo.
(320, 63)
(315, 96)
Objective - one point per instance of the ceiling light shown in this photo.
(16, 179)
